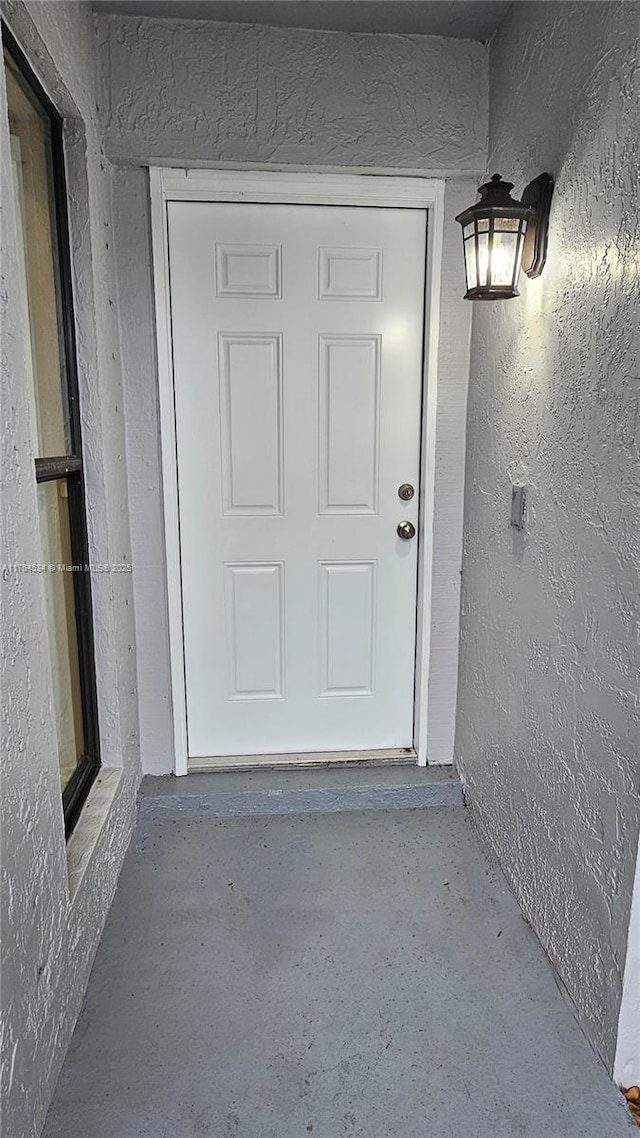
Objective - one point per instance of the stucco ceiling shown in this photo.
(464, 19)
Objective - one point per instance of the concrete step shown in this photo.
(325, 790)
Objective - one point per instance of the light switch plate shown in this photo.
(518, 506)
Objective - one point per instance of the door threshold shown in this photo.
(299, 761)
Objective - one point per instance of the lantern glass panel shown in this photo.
(503, 258)
(508, 224)
(521, 237)
(483, 259)
(470, 262)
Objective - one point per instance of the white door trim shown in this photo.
(626, 1067)
(295, 189)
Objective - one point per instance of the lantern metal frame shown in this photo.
(516, 231)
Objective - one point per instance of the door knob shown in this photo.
(406, 530)
(406, 492)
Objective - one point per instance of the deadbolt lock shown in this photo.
(406, 530)
(406, 492)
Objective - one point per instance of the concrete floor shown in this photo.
(340, 974)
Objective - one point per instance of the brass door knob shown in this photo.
(406, 530)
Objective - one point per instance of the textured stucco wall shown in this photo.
(626, 1070)
(209, 92)
(548, 704)
(49, 938)
(189, 93)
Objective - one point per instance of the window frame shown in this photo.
(68, 468)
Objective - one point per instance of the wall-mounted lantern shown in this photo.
(501, 235)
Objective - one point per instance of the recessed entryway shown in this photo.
(294, 494)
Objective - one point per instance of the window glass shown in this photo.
(58, 571)
(43, 287)
(39, 285)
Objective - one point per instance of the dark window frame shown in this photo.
(68, 468)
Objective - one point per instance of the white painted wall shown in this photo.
(54, 900)
(548, 713)
(188, 93)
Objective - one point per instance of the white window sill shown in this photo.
(89, 826)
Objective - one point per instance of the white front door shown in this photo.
(297, 349)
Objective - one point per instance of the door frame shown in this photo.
(264, 187)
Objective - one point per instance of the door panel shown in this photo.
(251, 444)
(347, 627)
(255, 630)
(248, 271)
(349, 389)
(350, 274)
(297, 341)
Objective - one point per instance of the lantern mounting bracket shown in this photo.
(537, 195)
